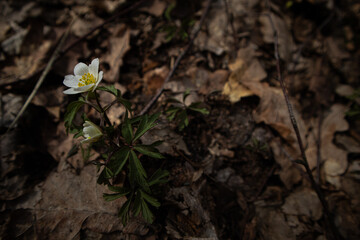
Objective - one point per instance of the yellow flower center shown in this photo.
(86, 79)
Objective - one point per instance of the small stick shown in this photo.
(318, 159)
(328, 218)
(177, 62)
(41, 79)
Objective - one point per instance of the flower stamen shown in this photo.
(86, 79)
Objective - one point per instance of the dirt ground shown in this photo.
(233, 172)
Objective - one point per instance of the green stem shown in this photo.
(103, 113)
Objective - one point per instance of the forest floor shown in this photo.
(233, 172)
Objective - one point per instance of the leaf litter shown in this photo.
(218, 163)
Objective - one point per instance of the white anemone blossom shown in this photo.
(92, 133)
(85, 78)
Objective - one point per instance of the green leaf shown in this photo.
(153, 201)
(119, 159)
(173, 100)
(142, 127)
(169, 10)
(137, 173)
(124, 211)
(183, 120)
(149, 151)
(126, 129)
(117, 189)
(138, 164)
(71, 111)
(146, 123)
(114, 196)
(111, 89)
(200, 110)
(186, 94)
(126, 103)
(147, 214)
(172, 113)
(156, 143)
(102, 179)
(158, 177)
(108, 173)
(137, 204)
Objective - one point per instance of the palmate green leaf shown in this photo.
(111, 89)
(195, 107)
(108, 173)
(171, 112)
(137, 174)
(153, 201)
(158, 177)
(126, 129)
(147, 214)
(146, 123)
(118, 160)
(102, 179)
(200, 110)
(183, 120)
(71, 111)
(169, 10)
(126, 103)
(186, 94)
(117, 189)
(140, 169)
(137, 204)
(124, 211)
(149, 151)
(114, 196)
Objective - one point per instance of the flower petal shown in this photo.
(99, 80)
(71, 91)
(81, 69)
(94, 67)
(71, 81)
(84, 88)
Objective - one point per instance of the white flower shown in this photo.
(86, 78)
(92, 133)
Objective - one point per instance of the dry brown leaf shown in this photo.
(118, 45)
(154, 79)
(11, 106)
(334, 158)
(246, 70)
(25, 66)
(217, 40)
(156, 8)
(335, 53)
(334, 122)
(68, 200)
(272, 224)
(83, 26)
(286, 43)
(273, 111)
(289, 174)
(304, 203)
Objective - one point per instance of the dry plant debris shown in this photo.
(232, 173)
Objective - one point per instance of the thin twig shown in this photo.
(318, 143)
(42, 77)
(177, 62)
(328, 218)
